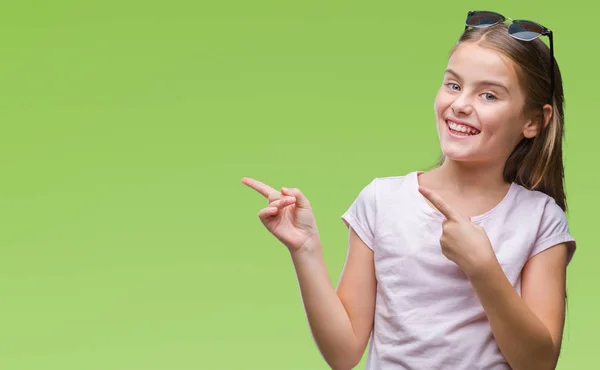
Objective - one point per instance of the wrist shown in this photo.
(482, 266)
(311, 246)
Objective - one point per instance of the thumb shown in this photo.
(301, 200)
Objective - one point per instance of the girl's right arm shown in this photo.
(341, 322)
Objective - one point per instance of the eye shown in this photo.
(489, 97)
(453, 86)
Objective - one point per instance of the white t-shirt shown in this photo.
(427, 314)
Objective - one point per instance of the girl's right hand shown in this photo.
(289, 216)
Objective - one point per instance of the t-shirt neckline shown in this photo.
(437, 214)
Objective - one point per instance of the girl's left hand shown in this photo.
(462, 241)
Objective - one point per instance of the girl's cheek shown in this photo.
(440, 102)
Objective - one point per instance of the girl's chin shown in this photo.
(459, 154)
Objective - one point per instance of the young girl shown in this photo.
(462, 267)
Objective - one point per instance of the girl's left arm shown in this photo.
(528, 328)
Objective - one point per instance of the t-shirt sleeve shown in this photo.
(361, 214)
(553, 230)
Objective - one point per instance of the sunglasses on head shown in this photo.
(519, 29)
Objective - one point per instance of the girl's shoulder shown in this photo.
(386, 188)
(547, 220)
(396, 183)
(528, 200)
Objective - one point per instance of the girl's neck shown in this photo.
(469, 178)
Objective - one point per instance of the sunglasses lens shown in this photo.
(483, 19)
(524, 30)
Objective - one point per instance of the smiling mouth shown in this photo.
(461, 130)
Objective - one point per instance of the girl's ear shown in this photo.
(537, 122)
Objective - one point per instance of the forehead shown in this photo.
(472, 61)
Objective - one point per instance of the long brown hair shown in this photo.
(535, 163)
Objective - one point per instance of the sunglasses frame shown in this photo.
(545, 32)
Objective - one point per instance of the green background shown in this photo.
(127, 239)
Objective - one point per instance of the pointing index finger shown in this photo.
(439, 203)
(263, 189)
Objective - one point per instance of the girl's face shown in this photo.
(479, 107)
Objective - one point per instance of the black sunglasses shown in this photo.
(519, 29)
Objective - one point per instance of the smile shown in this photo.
(461, 130)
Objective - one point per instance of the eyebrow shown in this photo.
(483, 82)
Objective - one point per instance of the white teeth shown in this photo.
(462, 128)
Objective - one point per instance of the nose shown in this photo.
(462, 105)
